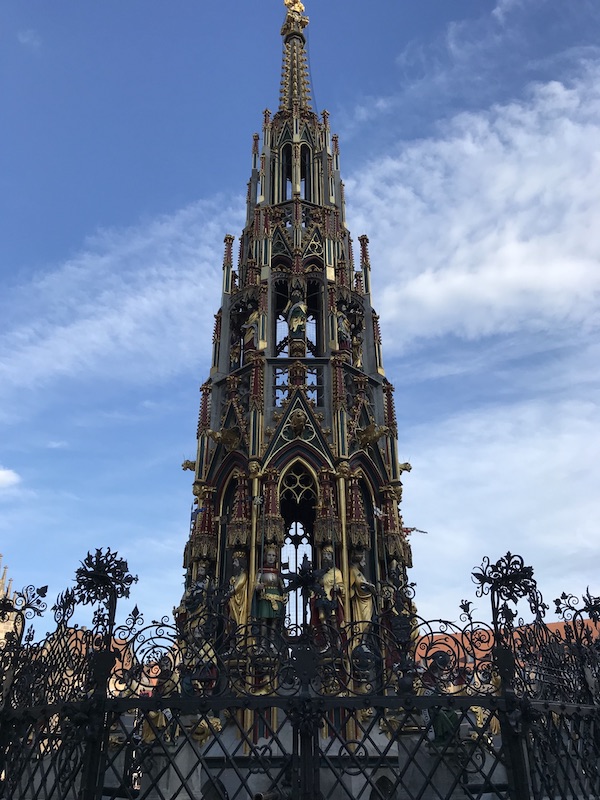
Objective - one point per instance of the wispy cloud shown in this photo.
(474, 62)
(490, 227)
(30, 39)
(136, 304)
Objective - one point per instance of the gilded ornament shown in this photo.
(371, 434)
(362, 593)
(254, 469)
(228, 437)
(327, 603)
(343, 470)
(205, 728)
(237, 595)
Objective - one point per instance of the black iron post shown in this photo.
(103, 577)
(306, 715)
(513, 727)
(507, 581)
(98, 729)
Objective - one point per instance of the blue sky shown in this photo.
(469, 136)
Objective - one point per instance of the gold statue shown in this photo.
(237, 595)
(329, 592)
(361, 593)
(294, 5)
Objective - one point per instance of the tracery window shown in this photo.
(298, 498)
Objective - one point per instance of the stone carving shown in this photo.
(228, 437)
(371, 434)
(298, 420)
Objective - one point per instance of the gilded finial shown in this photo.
(294, 5)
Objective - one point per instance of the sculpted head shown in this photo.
(327, 557)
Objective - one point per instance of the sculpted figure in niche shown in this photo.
(250, 328)
(344, 331)
(198, 596)
(329, 593)
(269, 598)
(362, 593)
(237, 594)
(197, 652)
(295, 312)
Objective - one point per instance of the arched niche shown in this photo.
(224, 511)
(306, 176)
(280, 301)
(298, 498)
(286, 172)
(370, 501)
(314, 318)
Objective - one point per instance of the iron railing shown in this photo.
(403, 708)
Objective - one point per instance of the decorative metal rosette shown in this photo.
(103, 575)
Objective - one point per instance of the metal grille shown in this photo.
(409, 709)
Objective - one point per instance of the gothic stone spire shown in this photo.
(295, 86)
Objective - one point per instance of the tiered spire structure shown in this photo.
(297, 431)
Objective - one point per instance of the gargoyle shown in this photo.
(406, 467)
(187, 464)
(228, 437)
(371, 434)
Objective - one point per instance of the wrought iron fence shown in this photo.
(402, 708)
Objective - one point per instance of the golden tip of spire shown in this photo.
(294, 5)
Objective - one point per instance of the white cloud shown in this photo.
(135, 304)
(8, 479)
(521, 478)
(491, 226)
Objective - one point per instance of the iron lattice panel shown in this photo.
(300, 749)
(563, 748)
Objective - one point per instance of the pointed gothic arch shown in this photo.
(286, 172)
(298, 493)
(298, 497)
(306, 177)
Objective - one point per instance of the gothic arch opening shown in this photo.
(298, 496)
(306, 173)
(375, 541)
(314, 317)
(286, 172)
(224, 515)
(281, 332)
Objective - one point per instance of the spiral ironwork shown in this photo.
(129, 698)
